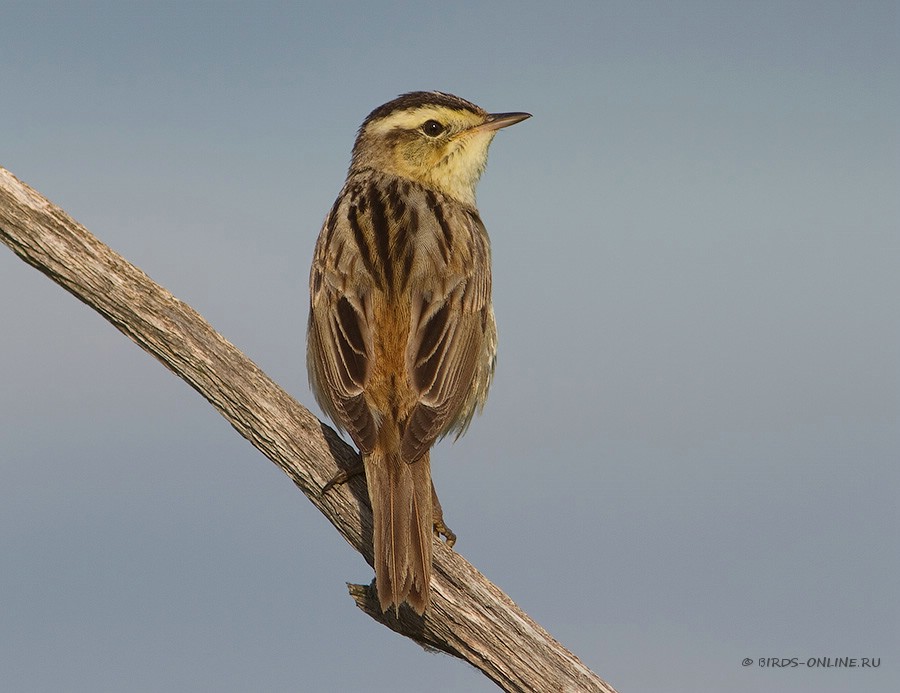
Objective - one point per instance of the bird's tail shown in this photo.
(401, 499)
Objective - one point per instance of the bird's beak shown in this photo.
(495, 121)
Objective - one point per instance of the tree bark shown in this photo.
(469, 617)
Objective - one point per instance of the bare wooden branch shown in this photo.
(469, 618)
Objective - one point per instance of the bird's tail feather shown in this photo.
(401, 497)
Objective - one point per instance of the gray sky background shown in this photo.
(689, 456)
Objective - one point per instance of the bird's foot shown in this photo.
(343, 476)
(444, 531)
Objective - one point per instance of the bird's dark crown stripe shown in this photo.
(418, 99)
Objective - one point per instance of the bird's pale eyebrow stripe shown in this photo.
(408, 119)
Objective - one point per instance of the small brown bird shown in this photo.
(401, 339)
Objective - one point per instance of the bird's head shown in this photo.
(437, 140)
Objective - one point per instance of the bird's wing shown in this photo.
(339, 340)
(450, 349)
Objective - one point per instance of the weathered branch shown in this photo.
(469, 618)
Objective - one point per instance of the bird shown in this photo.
(401, 338)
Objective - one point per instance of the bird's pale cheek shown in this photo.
(414, 161)
(437, 156)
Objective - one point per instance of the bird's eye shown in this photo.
(432, 128)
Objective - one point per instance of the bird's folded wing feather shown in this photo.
(446, 345)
